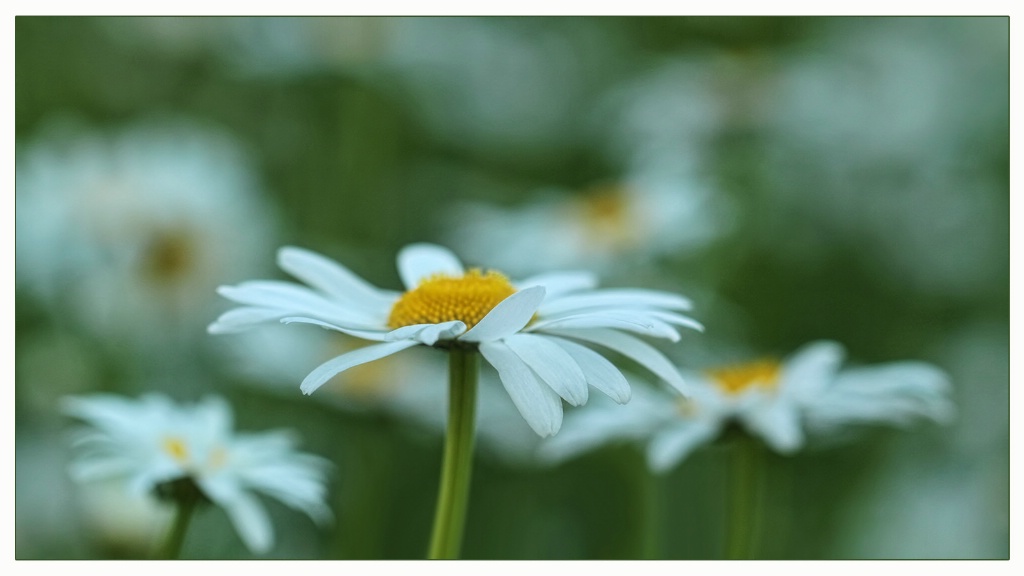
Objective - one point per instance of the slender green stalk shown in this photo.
(187, 500)
(453, 494)
(746, 481)
(646, 513)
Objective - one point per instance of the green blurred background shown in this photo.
(855, 171)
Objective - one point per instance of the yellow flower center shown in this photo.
(607, 217)
(176, 448)
(741, 377)
(442, 298)
(169, 256)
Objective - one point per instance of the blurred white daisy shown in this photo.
(128, 231)
(151, 441)
(527, 330)
(607, 227)
(780, 402)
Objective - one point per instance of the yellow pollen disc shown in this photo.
(170, 256)
(176, 448)
(442, 298)
(607, 216)
(741, 377)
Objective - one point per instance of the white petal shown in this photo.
(633, 348)
(896, 393)
(538, 404)
(558, 283)
(239, 319)
(779, 425)
(297, 300)
(331, 277)
(629, 322)
(251, 521)
(508, 317)
(428, 333)
(552, 364)
(419, 261)
(673, 318)
(615, 298)
(376, 335)
(443, 331)
(328, 369)
(673, 445)
(599, 372)
(811, 369)
(275, 294)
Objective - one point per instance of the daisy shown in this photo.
(153, 445)
(610, 227)
(123, 230)
(779, 402)
(528, 330)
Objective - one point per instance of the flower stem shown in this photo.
(453, 494)
(746, 473)
(187, 500)
(645, 513)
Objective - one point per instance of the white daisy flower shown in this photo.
(780, 402)
(151, 441)
(607, 227)
(123, 231)
(527, 330)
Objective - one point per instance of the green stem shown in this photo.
(745, 502)
(453, 494)
(646, 512)
(187, 501)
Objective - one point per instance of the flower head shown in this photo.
(528, 330)
(610, 227)
(124, 231)
(780, 402)
(150, 442)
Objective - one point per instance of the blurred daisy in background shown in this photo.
(527, 330)
(124, 234)
(780, 402)
(609, 228)
(655, 130)
(150, 442)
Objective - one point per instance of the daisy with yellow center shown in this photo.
(189, 453)
(779, 402)
(531, 331)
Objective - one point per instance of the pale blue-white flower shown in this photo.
(150, 441)
(126, 230)
(781, 402)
